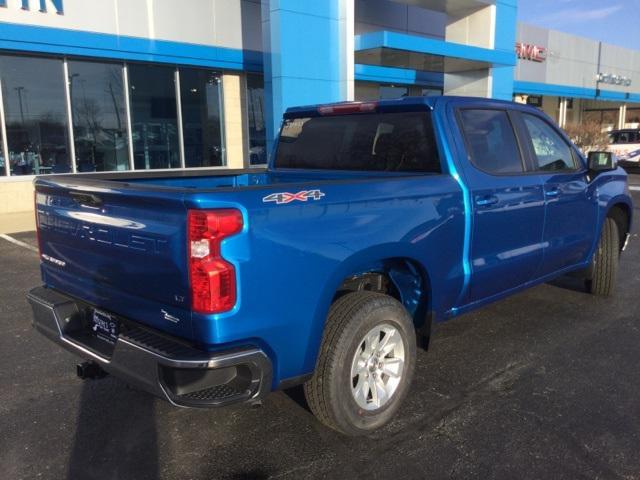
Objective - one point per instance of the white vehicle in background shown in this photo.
(625, 144)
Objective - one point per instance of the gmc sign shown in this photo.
(534, 53)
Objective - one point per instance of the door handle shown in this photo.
(552, 193)
(86, 199)
(486, 200)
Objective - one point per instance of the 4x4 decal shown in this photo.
(286, 197)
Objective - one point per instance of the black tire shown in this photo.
(604, 266)
(329, 391)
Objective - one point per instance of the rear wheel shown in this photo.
(604, 265)
(366, 363)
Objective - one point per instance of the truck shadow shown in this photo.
(569, 282)
(115, 435)
(297, 395)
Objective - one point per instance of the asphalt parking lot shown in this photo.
(545, 384)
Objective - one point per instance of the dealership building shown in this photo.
(120, 85)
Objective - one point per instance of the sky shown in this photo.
(611, 21)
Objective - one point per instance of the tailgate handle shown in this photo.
(88, 199)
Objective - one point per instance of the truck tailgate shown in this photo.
(119, 247)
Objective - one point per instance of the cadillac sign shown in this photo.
(533, 53)
(613, 79)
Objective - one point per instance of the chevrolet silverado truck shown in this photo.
(328, 267)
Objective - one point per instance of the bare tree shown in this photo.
(588, 136)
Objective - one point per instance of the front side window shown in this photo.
(154, 122)
(36, 116)
(491, 141)
(551, 152)
(99, 116)
(393, 142)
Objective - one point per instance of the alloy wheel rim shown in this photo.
(377, 367)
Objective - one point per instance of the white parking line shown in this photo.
(635, 188)
(18, 242)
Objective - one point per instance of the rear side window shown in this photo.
(552, 153)
(491, 141)
(393, 142)
(624, 137)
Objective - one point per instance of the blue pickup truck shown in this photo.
(328, 268)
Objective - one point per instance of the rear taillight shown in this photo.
(213, 279)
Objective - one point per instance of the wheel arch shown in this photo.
(403, 277)
(407, 280)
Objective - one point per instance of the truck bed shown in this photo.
(118, 240)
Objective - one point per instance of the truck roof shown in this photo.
(396, 105)
(624, 130)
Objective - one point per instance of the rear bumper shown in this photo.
(159, 364)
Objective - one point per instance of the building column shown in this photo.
(306, 55)
(504, 38)
(470, 28)
(622, 115)
(562, 113)
(234, 113)
(491, 27)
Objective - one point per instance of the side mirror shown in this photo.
(601, 162)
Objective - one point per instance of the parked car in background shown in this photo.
(328, 268)
(625, 144)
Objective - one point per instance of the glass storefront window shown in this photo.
(389, 57)
(430, 92)
(389, 92)
(154, 121)
(201, 118)
(99, 116)
(370, 91)
(39, 136)
(35, 111)
(257, 128)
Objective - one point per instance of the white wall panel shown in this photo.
(620, 61)
(573, 60)
(225, 23)
(237, 24)
(474, 28)
(474, 83)
(528, 70)
(132, 17)
(189, 22)
(89, 15)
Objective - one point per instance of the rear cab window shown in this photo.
(491, 141)
(384, 142)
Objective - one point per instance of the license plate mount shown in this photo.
(104, 326)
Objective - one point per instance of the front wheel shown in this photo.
(604, 265)
(366, 363)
